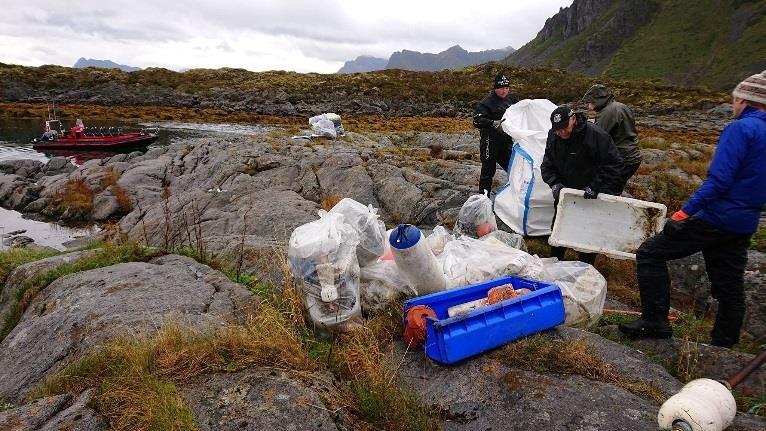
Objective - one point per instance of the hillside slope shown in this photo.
(709, 42)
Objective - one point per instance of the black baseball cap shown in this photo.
(560, 117)
(501, 81)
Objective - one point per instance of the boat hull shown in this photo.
(125, 140)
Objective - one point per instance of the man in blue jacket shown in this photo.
(718, 220)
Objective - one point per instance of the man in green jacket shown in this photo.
(617, 120)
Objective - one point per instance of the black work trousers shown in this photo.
(725, 259)
(491, 153)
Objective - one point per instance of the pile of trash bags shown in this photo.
(347, 262)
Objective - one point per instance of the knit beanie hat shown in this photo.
(752, 88)
(501, 81)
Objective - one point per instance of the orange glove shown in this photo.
(679, 215)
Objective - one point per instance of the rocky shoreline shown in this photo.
(243, 196)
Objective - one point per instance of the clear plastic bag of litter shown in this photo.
(382, 282)
(583, 288)
(322, 257)
(327, 125)
(476, 217)
(467, 260)
(370, 229)
(438, 239)
(506, 238)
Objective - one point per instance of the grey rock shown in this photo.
(105, 206)
(487, 393)
(58, 165)
(343, 175)
(19, 241)
(255, 399)
(81, 311)
(36, 206)
(60, 412)
(698, 359)
(691, 287)
(29, 271)
(24, 168)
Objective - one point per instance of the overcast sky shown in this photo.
(304, 36)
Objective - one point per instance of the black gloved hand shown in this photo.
(589, 193)
(497, 124)
(556, 190)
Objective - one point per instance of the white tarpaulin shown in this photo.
(525, 204)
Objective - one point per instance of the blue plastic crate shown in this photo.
(449, 340)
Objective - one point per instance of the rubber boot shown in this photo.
(644, 328)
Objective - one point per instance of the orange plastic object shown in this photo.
(415, 332)
(484, 229)
(500, 293)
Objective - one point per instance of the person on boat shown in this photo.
(78, 129)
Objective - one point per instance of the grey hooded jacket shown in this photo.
(617, 120)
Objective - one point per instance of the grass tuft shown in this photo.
(541, 354)
(136, 378)
(75, 199)
(15, 257)
(109, 255)
(362, 360)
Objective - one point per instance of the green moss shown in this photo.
(13, 258)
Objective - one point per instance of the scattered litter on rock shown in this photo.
(326, 125)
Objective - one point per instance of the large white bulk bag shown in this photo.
(525, 204)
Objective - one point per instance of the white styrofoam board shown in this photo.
(610, 225)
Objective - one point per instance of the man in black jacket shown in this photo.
(495, 145)
(579, 155)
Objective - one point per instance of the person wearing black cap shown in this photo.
(579, 155)
(495, 145)
(617, 120)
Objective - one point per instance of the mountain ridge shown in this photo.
(454, 57)
(83, 62)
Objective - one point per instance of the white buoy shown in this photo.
(701, 405)
(414, 258)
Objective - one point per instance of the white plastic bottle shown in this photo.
(415, 260)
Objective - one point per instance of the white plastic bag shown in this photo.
(476, 217)
(466, 260)
(438, 239)
(371, 230)
(327, 125)
(381, 283)
(502, 237)
(322, 256)
(583, 288)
